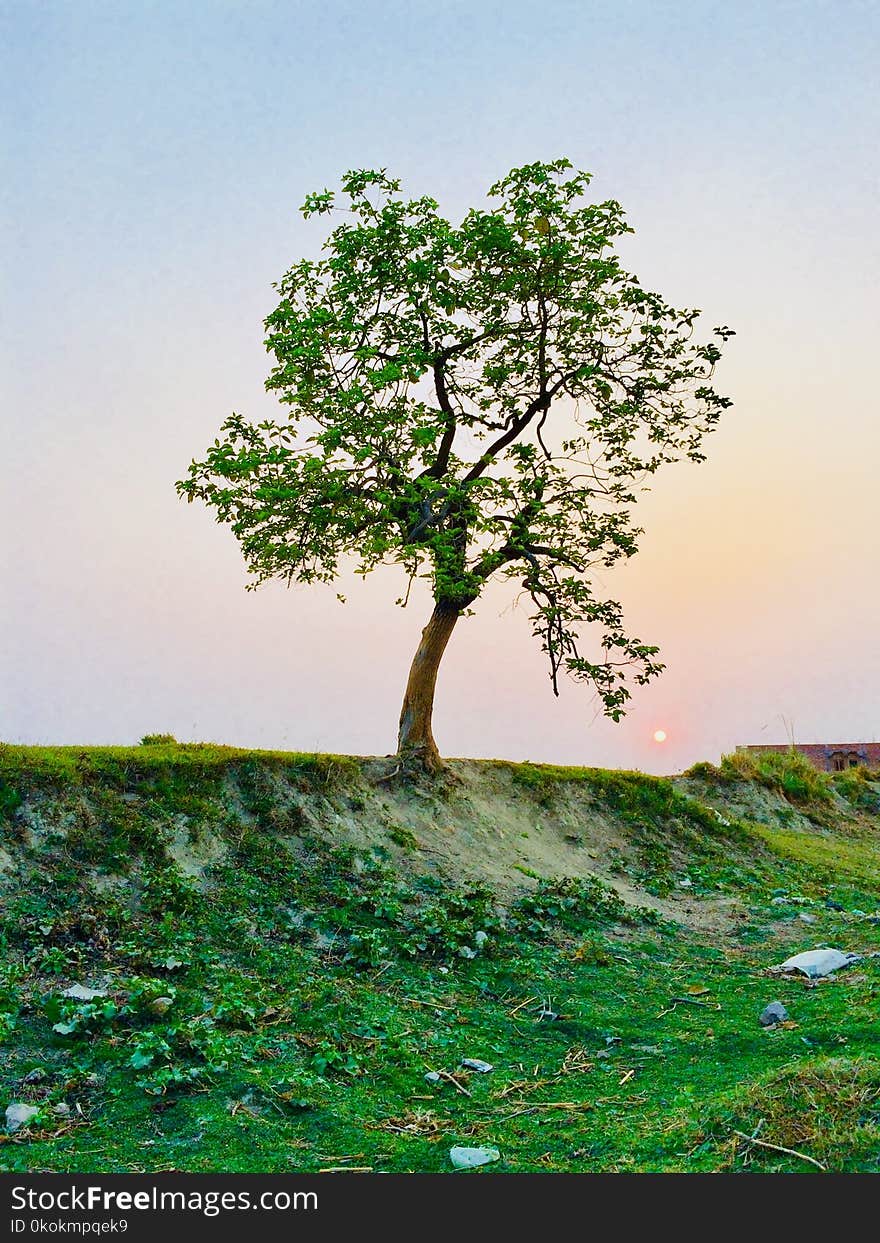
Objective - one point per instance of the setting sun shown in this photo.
(659, 735)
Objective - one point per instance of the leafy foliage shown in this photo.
(468, 401)
(574, 904)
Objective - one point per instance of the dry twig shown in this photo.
(789, 1152)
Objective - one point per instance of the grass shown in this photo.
(280, 1010)
(827, 855)
(816, 1110)
(79, 765)
(788, 772)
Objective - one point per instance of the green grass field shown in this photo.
(283, 951)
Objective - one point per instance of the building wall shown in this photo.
(831, 756)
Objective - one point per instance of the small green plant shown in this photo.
(234, 1003)
(328, 1057)
(703, 770)
(85, 1018)
(569, 903)
(10, 801)
(199, 1039)
(368, 949)
(56, 959)
(147, 1048)
(179, 1055)
(454, 924)
(159, 740)
(171, 1075)
(9, 1003)
(295, 1090)
(592, 951)
(404, 837)
(150, 997)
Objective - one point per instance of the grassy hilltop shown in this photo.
(282, 946)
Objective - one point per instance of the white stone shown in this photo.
(476, 1063)
(19, 1115)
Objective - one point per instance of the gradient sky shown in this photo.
(155, 155)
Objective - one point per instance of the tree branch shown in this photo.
(439, 467)
(540, 403)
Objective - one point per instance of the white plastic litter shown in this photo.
(470, 1158)
(80, 992)
(817, 963)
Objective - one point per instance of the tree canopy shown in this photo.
(473, 400)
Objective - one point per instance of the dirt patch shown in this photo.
(486, 828)
(194, 848)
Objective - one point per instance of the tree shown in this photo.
(470, 402)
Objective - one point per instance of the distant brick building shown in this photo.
(831, 757)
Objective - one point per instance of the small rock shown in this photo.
(773, 1014)
(34, 1076)
(161, 1005)
(471, 1158)
(817, 963)
(61, 1110)
(480, 938)
(475, 1063)
(80, 992)
(685, 883)
(467, 952)
(779, 901)
(19, 1115)
(832, 905)
(433, 1076)
(805, 918)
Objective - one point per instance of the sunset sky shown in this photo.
(155, 157)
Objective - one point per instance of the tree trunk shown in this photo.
(415, 740)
